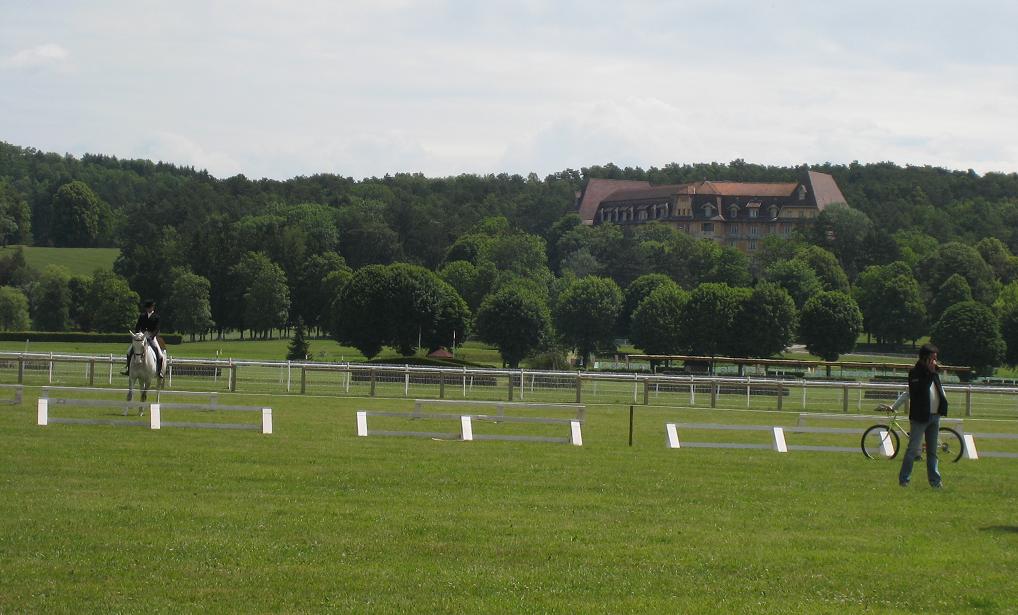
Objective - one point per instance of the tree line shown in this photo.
(404, 261)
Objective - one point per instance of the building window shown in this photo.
(733, 230)
(754, 230)
(733, 212)
(707, 228)
(773, 211)
(802, 193)
(708, 211)
(752, 244)
(753, 212)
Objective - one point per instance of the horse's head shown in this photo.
(138, 341)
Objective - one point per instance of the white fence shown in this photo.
(412, 382)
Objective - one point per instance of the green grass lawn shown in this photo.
(79, 261)
(313, 518)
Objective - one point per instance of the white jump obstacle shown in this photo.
(777, 443)
(500, 406)
(155, 412)
(970, 445)
(466, 424)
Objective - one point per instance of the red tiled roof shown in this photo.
(598, 190)
(745, 188)
(825, 189)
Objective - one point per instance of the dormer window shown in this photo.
(802, 193)
(733, 211)
(772, 211)
(708, 211)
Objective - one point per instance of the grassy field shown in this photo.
(79, 261)
(313, 518)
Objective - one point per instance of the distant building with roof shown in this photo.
(736, 214)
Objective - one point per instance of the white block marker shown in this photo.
(467, 428)
(970, 447)
(779, 440)
(576, 438)
(43, 412)
(267, 420)
(673, 435)
(362, 423)
(154, 420)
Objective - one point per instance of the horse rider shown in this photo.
(148, 323)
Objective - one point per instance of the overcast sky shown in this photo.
(279, 88)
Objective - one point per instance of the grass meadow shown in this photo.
(79, 261)
(313, 518)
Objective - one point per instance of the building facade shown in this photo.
(735, 214)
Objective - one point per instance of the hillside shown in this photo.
(79, 261)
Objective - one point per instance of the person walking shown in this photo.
(927, 403)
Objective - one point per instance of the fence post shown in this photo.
(371, 375)
(844, 399)
(646, 391)
(303, 379)
(441, 384)
(579, 387)
(714, 394)
(21, 370)
(91, 372)
(233, 377)
(781, 393)
(510, 374)
(968, 401)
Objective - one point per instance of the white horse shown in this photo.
(142, 368)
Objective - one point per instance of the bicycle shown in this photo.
(882, 441)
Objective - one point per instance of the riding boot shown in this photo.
(127, 368)
(159, 366)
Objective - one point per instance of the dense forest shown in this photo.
(405, 259)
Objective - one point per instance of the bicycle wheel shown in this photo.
(877, 439)
(950, 446)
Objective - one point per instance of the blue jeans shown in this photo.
(919, 431)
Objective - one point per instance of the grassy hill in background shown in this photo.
(79, 261)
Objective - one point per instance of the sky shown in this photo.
(362, 88)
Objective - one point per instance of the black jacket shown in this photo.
(919, 379)
(148, 323)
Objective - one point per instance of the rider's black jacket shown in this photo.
(919, 379)
(148, 323)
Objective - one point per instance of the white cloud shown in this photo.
(183, 151)
(49, 54)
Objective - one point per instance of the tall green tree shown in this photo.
(188, 303)
(15, 214)
(13, 309)
(766, 322)
(961, 259)
(516, 320)
(51, 302)
(844, 231)
(829, 324)
(969, 334)
(954, 290)
(709, 318)
(81, 218)
(826, 266)
(586, 315)
(891, 303)
(634, 295)
(267, 300)
(797, 278)
(657, 321)
(111, 305)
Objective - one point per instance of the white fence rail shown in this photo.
(413, 382)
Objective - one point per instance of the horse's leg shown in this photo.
(144, 398)
(130, 394)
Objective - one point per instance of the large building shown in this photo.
(736, 214)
